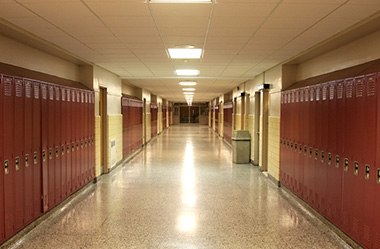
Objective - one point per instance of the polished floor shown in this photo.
(182, 191)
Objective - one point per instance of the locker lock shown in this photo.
(62, 149)
(56, 151)
(35, 158)
(72, 146)
(316, 154)
(300, 149)
(17, 163)
(295, 147)
(337, 161)
(77, 145)
(27, 160)
(322, 156)
(329, 161)
(310, 152)
(50, 153)
(6, 167)
(305, 150)
(346, 164)
(367, 172)
(44, 155)
(68, 148)
(356, 171)
(378, 176)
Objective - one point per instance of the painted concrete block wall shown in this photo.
(274, 147)
(148, 127)
(251, 128)
(221, 123)
(97, 146)
(115, 125)
(238, 121)
(261, 143)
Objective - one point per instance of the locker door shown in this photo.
(306, 144)
(51, 145)
(301, 142)
(368, 181)
(74, 155)
(311, 149)
(35, 159)
(68, 142)
(376, 173)
(2, 235)
(8, 161)
(63, 152)
(45, 143)
(18, 154)
(86, 135)
(291, 160)
(57, 143)
(282, 124)
(347, 158)
(28, 154)
(323, 158)
(93, 135)
(81, 137)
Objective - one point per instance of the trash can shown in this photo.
(241, 147)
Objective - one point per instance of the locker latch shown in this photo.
(62, 149)
(50, 153)
(81, 144)
(27, 160)
(310, 152)
(356, 171)
(44, 155)
(316, 154)
(35, 158)
(346, 164)
(85, 143)
(322, 156)
(56, 151)
(287, 144)
(17, 163)
(68, 148)
(6, 167)
(329, 161)
(281, 142)
(92, 140)
(77, 145)
(337, 161)
(378, 176)
(305, 150)
(367, 172)
(300, 149)
(295, 147)
(291, 146)
(72, 146)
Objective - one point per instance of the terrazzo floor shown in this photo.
(182, 191)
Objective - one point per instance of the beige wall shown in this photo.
(115, 125)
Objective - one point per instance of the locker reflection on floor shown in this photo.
(182, 191)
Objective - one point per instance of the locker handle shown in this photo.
(56, 151)
(68, 148)
(50, 153)
(17, 163)
(81, 144)
(367, 172)
(322, 156)
(356, 171)
(337, 161)
(346, 164)
(295, 147)
(27, 160)
(72, 146)
(62, 149)
(6, 167)
(305, 150)
(310, 152)
(330, 157)
(300, 149)
(44, 155)
(378, 176)
(77, 145)
(35, 158)
(85, 143)
(291, 146)
(287, 144)
(316, 154)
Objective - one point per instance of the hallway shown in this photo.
(182, 191)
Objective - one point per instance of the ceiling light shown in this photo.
(188, 83)
(188, 93)
(180, 1)
(185, 53)
(187, 72)
(188, 89)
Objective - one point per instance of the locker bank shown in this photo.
(117, 122)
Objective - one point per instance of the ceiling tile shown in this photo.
(118, 9)
(238, 9)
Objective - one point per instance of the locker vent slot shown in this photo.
(57, 94)
(356, 169)
(36, 92)
(317, 94)
(28, 89)
(44, 92)
(18, 88)
(86, 98)
(6, 167)
(73, 96)
(72, 146)
(82, 97)
(68, 95)
(50, 153)
(312, 94)
(295, 147)
(78, 97)
(359, 88)
(51, 93)
(340, 91)
(324, 93)
(301, 95)
(367, 172)
(7, 87)
(332, 92)
(349, 90)
(63, 95)
(291, 146)
(297, 97)
(371, 87)
(307, 95)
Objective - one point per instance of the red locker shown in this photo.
(28, 154)
(2, 234)
(216, 118)
(306, 142)
(93, 135)
(68, 141)
(86, 135)
(51, 146)
(310, 174)
(282, 137)
(18, 154)
(323, 158)
(63, 153)
(376, 174)
(45, 142)
(347, 158)
(57, 143)
(299, 146)
(153, 111)
(81, 139)
(8, 154)
(36, 159)
(74, 141)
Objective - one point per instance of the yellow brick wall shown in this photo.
(246, 120)
(260, 143)
(274, 147)
(238, 121)
(148, 127)
(115, 131)
(97, 146)
(251, 128)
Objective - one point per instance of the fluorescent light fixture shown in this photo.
(188, 83)
(188, 93)
(185, 53)
(188, 89)
(187, 72)
(180, 1)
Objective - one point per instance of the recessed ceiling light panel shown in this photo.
(185, 53)
(188, 89)
(187, 72)
(180, 1)
(188, 83)
(188, 93)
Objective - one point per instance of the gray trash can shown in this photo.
(241, 147)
